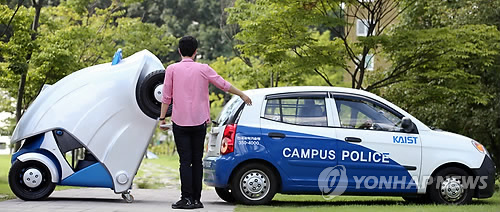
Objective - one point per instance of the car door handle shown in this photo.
(276, 135)
(410, 168)
(352, 139)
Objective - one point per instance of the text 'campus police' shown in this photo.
(329, 154)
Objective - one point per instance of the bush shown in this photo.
(166, 148)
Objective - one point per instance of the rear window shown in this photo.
(229, 110)
(300, 111)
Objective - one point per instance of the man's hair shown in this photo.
(187, 45)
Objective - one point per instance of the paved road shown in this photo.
(96, 199)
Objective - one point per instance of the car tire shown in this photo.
(38, 188)
(448, 187)
(254, 184)
(146, 94)
(225, 194)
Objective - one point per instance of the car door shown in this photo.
(377, 154)
(295, 128)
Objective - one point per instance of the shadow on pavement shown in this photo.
(334, 203)
(86, 199)
(360, 202)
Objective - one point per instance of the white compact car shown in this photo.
(333, 141)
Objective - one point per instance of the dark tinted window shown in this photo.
(301, 111)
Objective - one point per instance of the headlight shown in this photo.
(480, 148)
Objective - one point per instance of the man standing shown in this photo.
(187, 83)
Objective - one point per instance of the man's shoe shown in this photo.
(184, 203)
(198, 204)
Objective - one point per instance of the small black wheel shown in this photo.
(129, 198)
(147, 93)
(30, 180)
(225, 194)
(254, 184)
(448, 187)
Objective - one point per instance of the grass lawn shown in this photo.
(171, 162)
(154, 173)
(310, 203)
(5, 192)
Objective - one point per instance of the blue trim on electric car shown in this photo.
(31, 144)
(94, 175)
(395, 178)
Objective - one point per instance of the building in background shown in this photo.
(4, 139)
(379, 16)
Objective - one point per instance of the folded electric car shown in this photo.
(90, 129)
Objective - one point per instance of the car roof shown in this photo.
(262, 92)
(277, 90)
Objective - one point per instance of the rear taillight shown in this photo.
(227, 145)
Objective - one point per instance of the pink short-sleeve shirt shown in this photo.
(186, 82)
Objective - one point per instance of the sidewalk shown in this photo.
(98, 199)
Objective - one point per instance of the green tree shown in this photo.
(199, 18)
(457, 87)
(69, 40)
(283, 33)
(19, 60)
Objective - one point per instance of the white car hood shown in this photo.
(452, 136)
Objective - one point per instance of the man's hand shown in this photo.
(242, 95)
(163, 125)
(246, 99)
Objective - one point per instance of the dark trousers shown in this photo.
(190, 141)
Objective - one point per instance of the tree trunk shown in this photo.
(22, 82)
(19, 104)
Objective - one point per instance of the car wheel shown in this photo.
(149, 94)
(254, 184)
(225, 194)
(30, 180)
(449, 187)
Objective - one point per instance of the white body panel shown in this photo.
(49, 144)
(439, 148)
(98, 106)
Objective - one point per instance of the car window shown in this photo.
(301, 111)
(364, 114)
(229, 109)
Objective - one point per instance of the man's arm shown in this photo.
(242, 95)
(164, 109)
(166, 96)
(224, 85)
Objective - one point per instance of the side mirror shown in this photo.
(407, 125)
